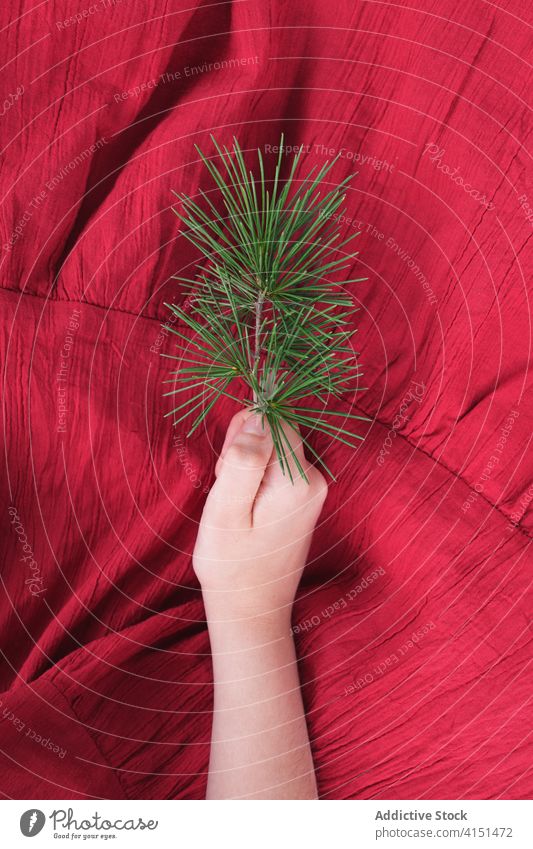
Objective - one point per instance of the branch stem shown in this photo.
(257, 338)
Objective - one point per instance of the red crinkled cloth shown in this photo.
(413, 619)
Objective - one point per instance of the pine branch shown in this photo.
(263, 311)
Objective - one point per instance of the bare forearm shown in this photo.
(260, 745)
(249, 556)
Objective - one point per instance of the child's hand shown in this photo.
(256, 527)
(250, 553)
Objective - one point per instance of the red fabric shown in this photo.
(108, 658)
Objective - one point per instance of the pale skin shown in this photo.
(250, 553)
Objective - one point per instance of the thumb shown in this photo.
(240, 472)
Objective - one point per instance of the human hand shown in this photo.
(256, 527)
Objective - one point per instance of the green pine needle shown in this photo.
(263, 311)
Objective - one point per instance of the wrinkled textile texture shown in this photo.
(413, 619)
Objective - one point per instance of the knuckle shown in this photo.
(245, 456)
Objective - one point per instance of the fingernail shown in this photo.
(254, 424)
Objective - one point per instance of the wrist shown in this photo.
(244, 625)
(250, 605)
